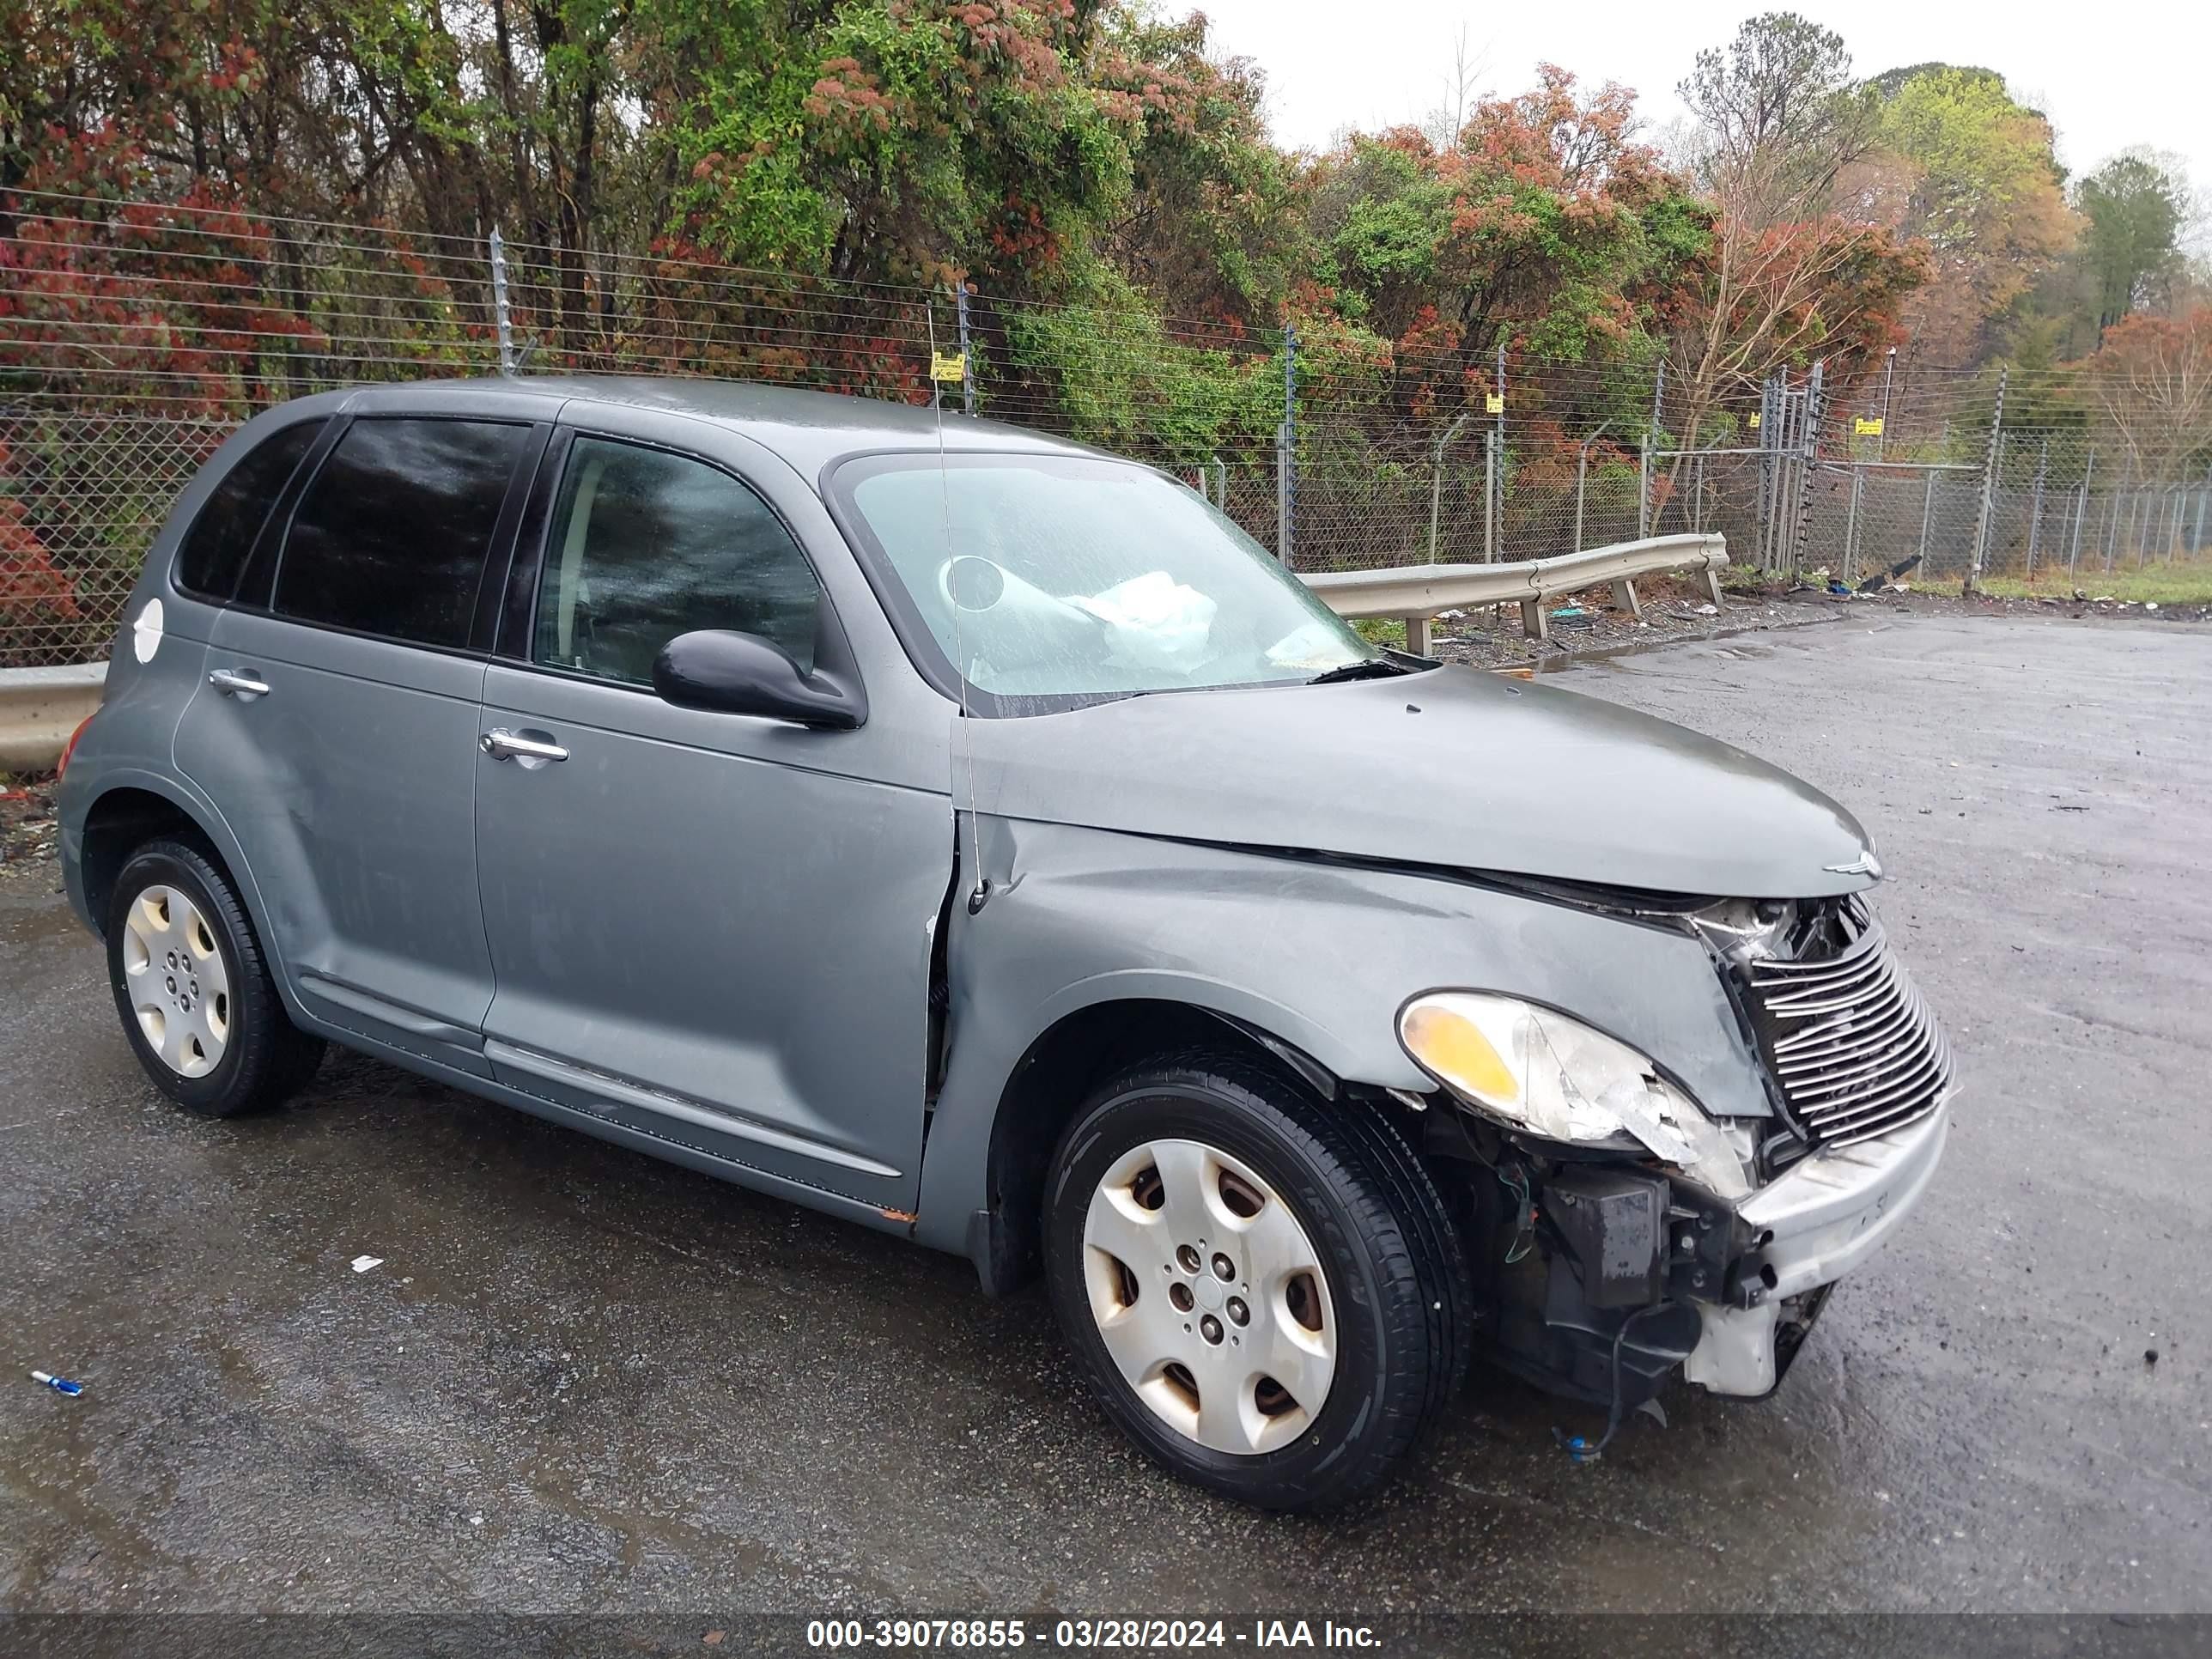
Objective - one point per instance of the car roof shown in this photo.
(808, 429)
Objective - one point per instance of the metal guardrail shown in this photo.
(39, 709)
(1418, 592)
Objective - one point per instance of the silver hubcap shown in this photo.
(1210, 1297)
(178, 985)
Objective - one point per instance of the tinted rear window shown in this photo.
(391, 538)
(216, 546)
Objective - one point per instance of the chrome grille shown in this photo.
(1852, 1042)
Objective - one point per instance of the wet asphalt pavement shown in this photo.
(582, 1380)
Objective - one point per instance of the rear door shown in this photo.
(710, 927)
(338, 730)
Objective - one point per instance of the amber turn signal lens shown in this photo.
(1453, 1048)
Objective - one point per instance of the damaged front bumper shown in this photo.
(1639, 1273)
(1829, 1212)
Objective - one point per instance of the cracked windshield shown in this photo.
(1068, 577)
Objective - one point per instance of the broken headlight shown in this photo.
(1535, 1069)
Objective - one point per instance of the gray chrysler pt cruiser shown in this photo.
(979, 838)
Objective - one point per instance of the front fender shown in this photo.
(1320, 956)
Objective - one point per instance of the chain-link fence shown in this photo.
(134, 335)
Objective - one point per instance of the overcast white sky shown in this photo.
(1337, 63)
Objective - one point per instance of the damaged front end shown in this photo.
(1619, 1232)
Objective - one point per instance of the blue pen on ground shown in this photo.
(58, 1384)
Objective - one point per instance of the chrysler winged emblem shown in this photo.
(1868, 865)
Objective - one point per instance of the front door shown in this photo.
(712, 928)
(336, 732)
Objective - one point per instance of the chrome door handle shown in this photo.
(503, 744)
(239, 682)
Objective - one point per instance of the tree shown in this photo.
(1531, 226)
(1786, 276)
(1972, 176)
(1778, 118)
(1209, 228)
(2152, 379)
(2135, 206)
(903, 138)
(1443, 124)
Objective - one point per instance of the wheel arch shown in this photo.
(1050, 1081)
(121, 819)
(133, 808)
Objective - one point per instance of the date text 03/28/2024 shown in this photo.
(1000, 1634)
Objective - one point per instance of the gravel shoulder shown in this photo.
(1677, 610)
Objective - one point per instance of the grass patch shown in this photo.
(2185, 582)
(1747, 578)
(1382, 631)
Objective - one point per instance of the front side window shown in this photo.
(645, 545)
(1050, 578)
(392, 536)
(215, 548)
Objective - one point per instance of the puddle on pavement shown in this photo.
(31, 913)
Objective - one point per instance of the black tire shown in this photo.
(1397, 1277)
(266, 1059)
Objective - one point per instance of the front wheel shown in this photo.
(1264, 1289)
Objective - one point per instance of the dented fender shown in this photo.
(1320, 956)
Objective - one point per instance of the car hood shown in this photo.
(1450, 767)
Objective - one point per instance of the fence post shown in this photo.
(1489, 493)
(1763, 513)
(1643, 487)
(1988, 488)
(1852, 526)
(1785, 473)
(2080, 513)
(499, 302)
(1581, 482)
(1776, 463)
(2196, 541)
(1436, 480)
(1809, 451)
(1498, 470)
(1927, 512)
(1287, 452)
(1643, 514)
(2035, 515)
(967, 356)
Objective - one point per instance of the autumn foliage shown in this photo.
(205, 209)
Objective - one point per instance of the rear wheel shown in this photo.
(1264, 1289)
(196, 998)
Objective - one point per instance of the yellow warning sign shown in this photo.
(1754, 424)
(1494, 404)
(1868, 429)
(953, 367)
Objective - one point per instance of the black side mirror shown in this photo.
(735, 673)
